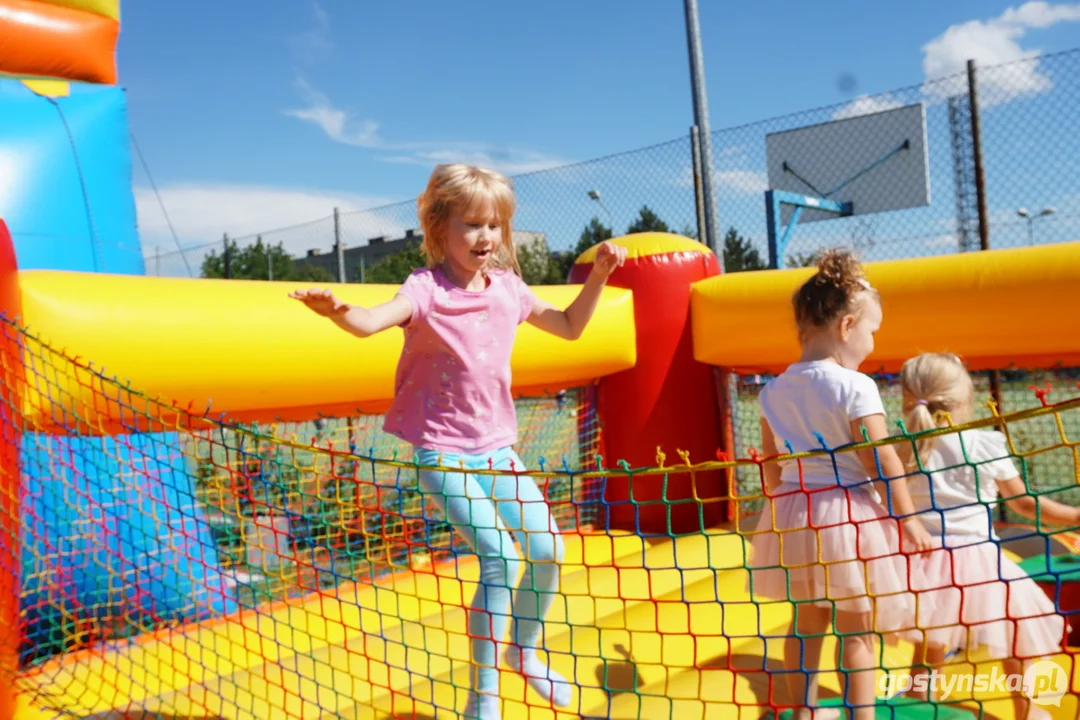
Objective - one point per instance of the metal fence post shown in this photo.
(976, 148)
(339, 249)
(699, 192)
(984, 220)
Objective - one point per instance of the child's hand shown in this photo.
(321, 302)
(920, 539)
(608, 257)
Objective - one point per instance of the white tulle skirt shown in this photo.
(973, 596)
(832, 547)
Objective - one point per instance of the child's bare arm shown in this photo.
(768, 448)
(360, 321)
(570, 323)
(1046, 511)
(364, 322)
(892, 469)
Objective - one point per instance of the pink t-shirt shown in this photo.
(452, 389)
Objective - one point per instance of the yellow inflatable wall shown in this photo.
(257, 354)
(1000, 308)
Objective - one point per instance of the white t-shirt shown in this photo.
(964, 470)
(820, 397)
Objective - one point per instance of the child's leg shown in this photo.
(802, 655)
(1022, 705)
(858, 661)
(924, 658)
(472, 513)
(523, 509)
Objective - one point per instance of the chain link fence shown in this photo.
(554, 208)
(1029, 153)
(1022, 139)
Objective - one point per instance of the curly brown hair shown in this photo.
(832, 291)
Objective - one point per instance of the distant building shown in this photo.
(379, 247)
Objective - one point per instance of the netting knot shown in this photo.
(1042, 395)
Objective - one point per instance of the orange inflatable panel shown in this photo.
(54, 41)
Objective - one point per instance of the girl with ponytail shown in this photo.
(971, 595)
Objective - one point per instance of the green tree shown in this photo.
(307, 272)
(561, 262)
(799, 260)
(740, 254)
(594, 233)
(539, 267)
(260, 261)
(647, 221)
(394, 269)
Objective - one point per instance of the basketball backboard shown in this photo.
(877, 162)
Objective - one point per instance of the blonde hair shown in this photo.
(937, 388)
(456, 188)
(832, 291)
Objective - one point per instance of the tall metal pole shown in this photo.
(984, 220)
(727, 382)
(701, 119)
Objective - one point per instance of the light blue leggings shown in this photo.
(489, 512)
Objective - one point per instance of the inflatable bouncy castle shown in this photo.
(201, 516)
(66, 200)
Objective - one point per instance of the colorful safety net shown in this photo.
(174, 564)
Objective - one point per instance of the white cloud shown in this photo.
(336, 123)
(685, 178)
(743, 181)
(511, 161)
(340, 126)
(201, 213)
(739, 181)
(866, 105)
(1041, 15)
(992, 42)
(942, 241)
(315, 44)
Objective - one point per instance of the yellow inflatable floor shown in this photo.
(646, 630)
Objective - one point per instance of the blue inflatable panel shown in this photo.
(113, 538)
(116, 542)
(65, 179)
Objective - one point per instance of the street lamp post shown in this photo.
(1024, 213)
(595, 195)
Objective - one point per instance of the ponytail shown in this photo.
(936, 388)
(918, 419)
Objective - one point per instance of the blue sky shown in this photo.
(257, 115)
